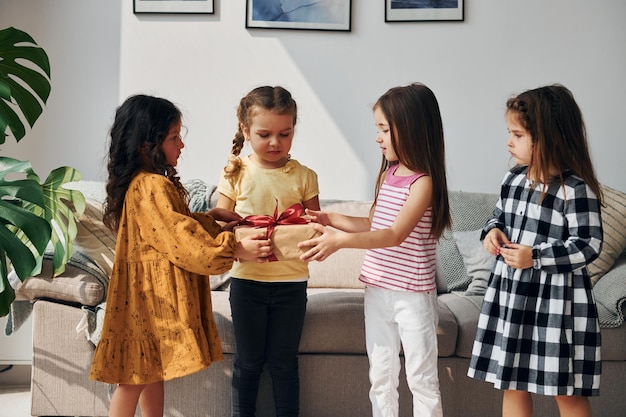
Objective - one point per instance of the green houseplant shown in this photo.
(35, 216)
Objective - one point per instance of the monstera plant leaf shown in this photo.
(17, 46)
(32, 215)
(35, 217)
(61, 206)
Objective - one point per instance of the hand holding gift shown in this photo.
(284, 231)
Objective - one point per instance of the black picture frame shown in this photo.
(424, 11)
(174, 6)
(302, 14)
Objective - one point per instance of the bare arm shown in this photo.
(340, 221)
(224, 202)
(409, 215)
(312, 204)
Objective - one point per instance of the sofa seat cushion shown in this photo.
(465, 310)
(334, 323)
(613, 343)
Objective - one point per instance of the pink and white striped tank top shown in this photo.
(411, 265)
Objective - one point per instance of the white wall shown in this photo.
(82, 40)
(206, 63)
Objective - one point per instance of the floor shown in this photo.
(15, 402)
(15, 391)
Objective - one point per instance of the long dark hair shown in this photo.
(554, 121)
(417, 139)
(141, 125)
(276, 99)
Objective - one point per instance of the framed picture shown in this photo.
(299, 14)
(423, 10)
(173, 6)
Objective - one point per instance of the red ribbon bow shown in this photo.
(291, 215)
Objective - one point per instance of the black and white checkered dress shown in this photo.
(538, 329)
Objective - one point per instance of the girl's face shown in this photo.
(520, 142)
(383, 136)
(173, 144)
(270, 136)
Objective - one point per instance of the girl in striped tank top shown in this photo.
(409, 214)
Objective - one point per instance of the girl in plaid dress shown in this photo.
(538, 330)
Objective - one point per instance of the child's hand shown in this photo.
(254, 248)
(229, 226)
(321, 247)
(495, 240)
(317, 216)
(228, 219)
(517, 256)
(223, 215)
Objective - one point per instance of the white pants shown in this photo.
(407, 320)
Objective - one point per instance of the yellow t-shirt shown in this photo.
(256, 191)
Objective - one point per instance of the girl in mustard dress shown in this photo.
(159, 321)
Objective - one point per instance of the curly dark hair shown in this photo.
(141, 125)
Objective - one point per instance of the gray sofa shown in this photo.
(333, 361)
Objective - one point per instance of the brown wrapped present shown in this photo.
(285, 238)
(285, 231)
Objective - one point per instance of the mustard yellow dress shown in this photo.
(159, 321)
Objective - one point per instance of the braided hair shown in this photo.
(276, 99)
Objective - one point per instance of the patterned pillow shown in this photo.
(86, 274)
(75, 285)
(614, 226)
(470, 211)
(478, 262)
(94, 241)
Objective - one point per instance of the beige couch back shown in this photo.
(340, 271)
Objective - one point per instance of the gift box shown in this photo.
(285, 231)
(285, 238)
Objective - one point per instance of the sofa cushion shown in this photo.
(223, 320)
(341, 269)
(470, 211)
(465, 311)
(614, 227)
(334, 323)
(94, 240)
(75, 285)
(86, 274)
(478, 262)
(613, 342)
(610, 295)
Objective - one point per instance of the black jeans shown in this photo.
(267, 319)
